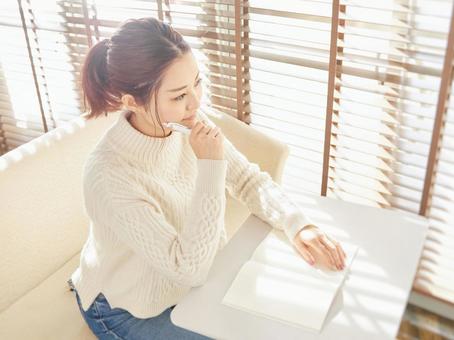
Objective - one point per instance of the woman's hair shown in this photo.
(133, 62)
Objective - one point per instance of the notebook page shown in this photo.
(277, 251)
(277, 284)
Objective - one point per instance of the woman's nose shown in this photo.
(194, 103)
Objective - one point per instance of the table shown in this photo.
(369, 306)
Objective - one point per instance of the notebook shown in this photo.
(277, 283)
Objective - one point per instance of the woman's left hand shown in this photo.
(317, 247)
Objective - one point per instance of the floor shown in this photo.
(418, 323)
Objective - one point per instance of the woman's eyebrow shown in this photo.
(181, 88)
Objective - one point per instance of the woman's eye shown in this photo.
(180, 97)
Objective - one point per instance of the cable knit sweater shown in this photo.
(157, 216)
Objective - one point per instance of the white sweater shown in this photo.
(157, 216)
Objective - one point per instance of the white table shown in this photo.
(371, 302)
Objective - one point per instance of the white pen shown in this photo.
(180, 128)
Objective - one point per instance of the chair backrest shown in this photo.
(43, 221)
(269, 153)
(41, 204)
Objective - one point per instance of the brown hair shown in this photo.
(132, 62)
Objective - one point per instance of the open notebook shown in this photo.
(278, 283)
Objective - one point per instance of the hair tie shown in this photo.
(107, 43)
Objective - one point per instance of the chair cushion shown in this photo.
(47, 312)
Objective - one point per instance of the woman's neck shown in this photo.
(146, 128)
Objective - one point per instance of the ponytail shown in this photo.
(95, 81)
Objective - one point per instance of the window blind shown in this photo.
(386, 63)
(436, 274)
(20, 107)
(353, 87)
(46, 45)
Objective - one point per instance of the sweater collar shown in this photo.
(135, 145)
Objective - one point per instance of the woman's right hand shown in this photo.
(207, 142)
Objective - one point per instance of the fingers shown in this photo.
(321, 244)
(305, 253)
(327, 252)
(333, 251)
(197, 128)
(214, 132)
(343, 252)
(340, 251)
(211, 131)
(201, 128)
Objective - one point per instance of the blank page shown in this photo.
(277, 283)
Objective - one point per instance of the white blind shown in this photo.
(59, 35)
(289, 54)
(20, 116)
(436, 272)
(389, 58)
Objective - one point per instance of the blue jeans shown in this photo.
(118, 323)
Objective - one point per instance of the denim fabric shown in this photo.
(118, 323)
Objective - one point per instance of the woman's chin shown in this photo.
(189, 122)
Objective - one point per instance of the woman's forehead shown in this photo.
(182, 72)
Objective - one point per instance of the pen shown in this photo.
(178, 127)
(181, 128)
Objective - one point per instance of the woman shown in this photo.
(156, 197)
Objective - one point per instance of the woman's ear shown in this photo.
(129, 102)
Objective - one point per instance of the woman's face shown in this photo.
(180, 92)
(178, 99)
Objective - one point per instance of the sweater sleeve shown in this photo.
(184, 257)
(256, 189)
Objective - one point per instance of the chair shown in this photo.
(44, 225)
